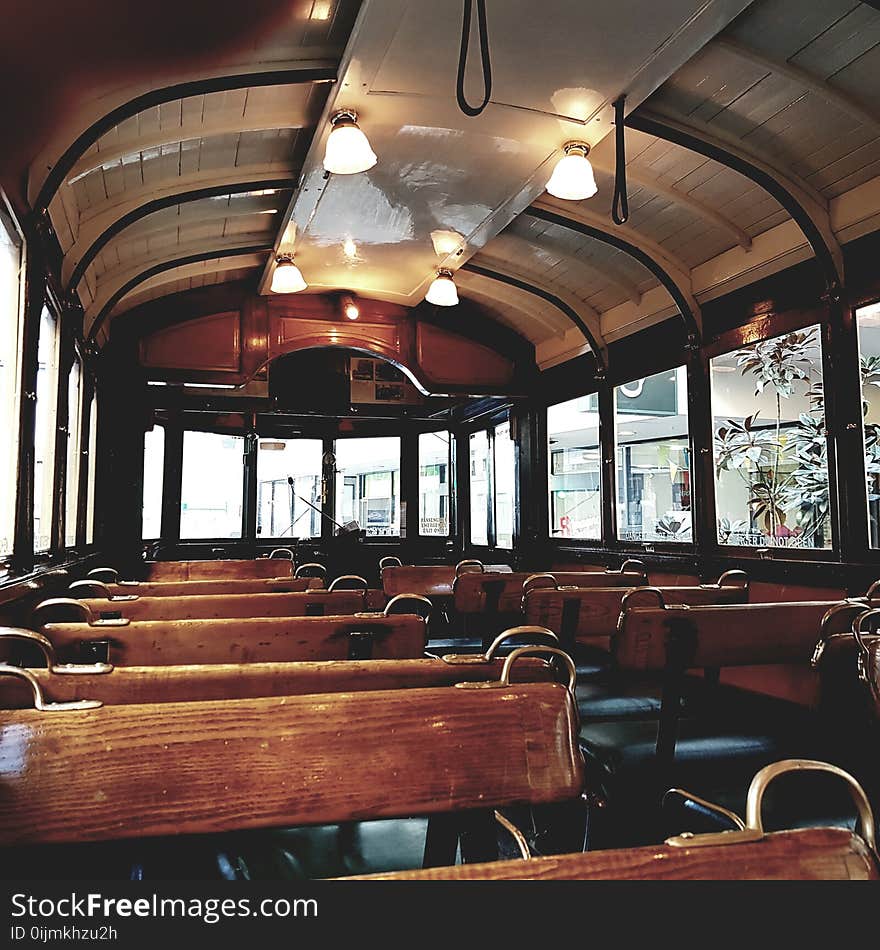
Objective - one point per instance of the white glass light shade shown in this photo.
(348, 149)
(573, 178)
(287, 278)
(442, 291)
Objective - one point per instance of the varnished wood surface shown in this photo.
(732, 635)
(198, 683)
(598, 609)
(122, 771)
(813, 854)
(216, 606)
(472, 591)
(429, 580)
(257, 585)
(257, 640)
(206, 570)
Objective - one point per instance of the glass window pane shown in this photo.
(154, 469)
(505, 486)
(575, 472)
(653, 458)
(368, 484)
(434, 470)
(44, 439)
(71, 476)
(93, 467)
(479, 482)
(11, 283)
(771, 462)
(212, 485)
(868, 319)
(282, 509)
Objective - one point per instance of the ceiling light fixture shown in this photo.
(287, 277)
(442, 291)
(348, 150)
(573, 178)
(349, 308)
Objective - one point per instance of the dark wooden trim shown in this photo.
(172, 469)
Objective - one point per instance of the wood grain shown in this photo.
(216, 606)
(170, 642)
(204, 570)
(813, 854)
(598, 610)
(193, 683)
(256, 585)
(173, 768)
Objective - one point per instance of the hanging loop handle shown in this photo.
(620, 204)
(467, 17)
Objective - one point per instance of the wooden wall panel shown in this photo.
(210, 343)
(449, 358)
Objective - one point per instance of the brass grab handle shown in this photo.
(534, 651)
(740, 578)
(361, 583)
(423, 601)
(651, 591)
(103, 573)
(464, 659)
(314, 569)
(39, 700)
(469, 566)
(281, 554)
(48, 650)
(539, 581)
(77, 606)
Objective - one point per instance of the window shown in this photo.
(653, 458)
(575, 472)
(11, 288)
(368, 484)
(74, 442)
(434, 469)
(212, 485)
(868, 321)
(154, 470)
(93, 466)
(505, 485)
(44, 439)
(771, 461)
(285, 510)
(479, 482)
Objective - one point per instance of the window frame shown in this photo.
(56, 496)
(330, 507)
(242, 536)
(489, 425)
(450, 482)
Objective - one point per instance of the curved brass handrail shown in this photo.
(763, 779)
(102, 573)
(281, 554)
(711, 806)
(39, 700)
(361, 583)
(740, 576)
(97, 589)
(636, 591)
(864, 654)
(873, 591)
(627, 564)
(418, 598)
(534, 651)
(77, 606)
(48, 650)
(537, 582)
(829, 627)
(465, 567)
(390, 560)
(463, 659)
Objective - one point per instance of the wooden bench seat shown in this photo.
(814, 854)
(233, 640)
(258, 585)
(431, 580)
(210, 570)
(216, 606)
(207, 767)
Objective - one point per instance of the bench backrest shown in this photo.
(808, 854)
(252, 640)
(206, 570)
(591, 616)
(131, 685)
(503, 593)
(427, 580)
(214, 606)
(256, 585)
(175, 768)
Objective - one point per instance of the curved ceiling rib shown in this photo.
(696, 207)
(76, 268)
(673, 274)
(824, 90)
(805, 205)
(518, 310)
(42, 193)
(580, 313)
(106, 302)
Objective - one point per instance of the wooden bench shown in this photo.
(746, 854)
(90, 587)
(234, 640)
(214, 606)
(207, 767)
(590, 616)
(211, 570)
(432, 580)
(127, 685)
